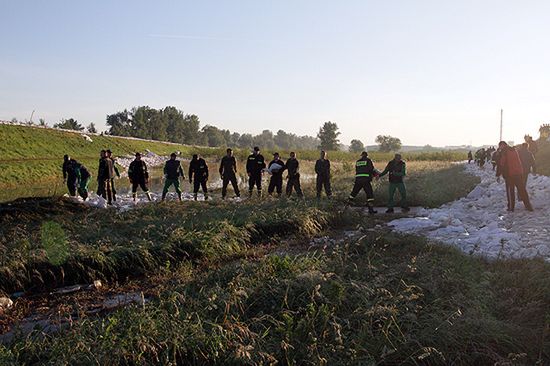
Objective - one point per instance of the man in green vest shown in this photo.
(397, 170)
(364, 172)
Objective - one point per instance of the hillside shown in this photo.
(31, 154)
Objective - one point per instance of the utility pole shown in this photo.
(500, 125)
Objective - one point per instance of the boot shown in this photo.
(195, 196)
(389, 210)
(371, 209)
(179, 197)
(405, 209)
(206, 197)
(148, 196)
(134, 196)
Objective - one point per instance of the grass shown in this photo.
(240, 284)
(383, 299)
(32, 155)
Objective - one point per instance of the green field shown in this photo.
(265, 282)
(31, 155)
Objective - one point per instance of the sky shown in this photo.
(429, 72)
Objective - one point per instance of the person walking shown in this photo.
(397, 171)
(101, 172)
(255, 164)
(322, 169)
(228, 173)
(509, 167)
(470, 157)
(198, 175)
(276, 168)
(364, 173)
(172, 173)
(293, 178)
(139, 177)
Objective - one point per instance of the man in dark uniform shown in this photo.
(172, 173)
(114, 171)
(397, 171)
(364, 172)
(199, 169)
(228, 173)
(527, 161)
(322, 169)
(276, 168)
(293, 167)
(470, 157)
(255, 164)
(84, 177)
(69, 174)
(101, 172)
(139, 176)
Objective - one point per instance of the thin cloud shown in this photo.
(180, 36)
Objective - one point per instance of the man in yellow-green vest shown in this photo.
(364, 173)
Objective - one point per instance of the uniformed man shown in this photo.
(293, 178)
(322, 169)
(69, 175)
(172, 173)
(397, 171)
(364, 173)
(198, 170)
(255, 164)
(228, 173)
(276, 168)
(139, 176)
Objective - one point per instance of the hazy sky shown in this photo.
(430, 72)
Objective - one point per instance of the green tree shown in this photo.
(328, 135)
(120, 123)
(91, 128)
(265, 140)
(213, 136)
(356, 146)
(245, 141)
(388, 143)
(69, 124)
(42, 122)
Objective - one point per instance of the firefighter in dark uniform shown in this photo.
(293, 167)
(322, 169)
(364, 172)
(172, 173)
(228, 173)
(139, 176)
(397, 171)
(199, 169)
(69, 174)
(255, 164)
(101, 171)
(276, 167)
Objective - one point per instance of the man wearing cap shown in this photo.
(172, 173)
(322, 169)
(397, 171)
(255, 164)
(139, 176)
(69, 175)
(104, 177)
(228, 172)
(364, 172)
(199, 169)
(276, 168)
(293, 178)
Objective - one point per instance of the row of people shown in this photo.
(78, 176)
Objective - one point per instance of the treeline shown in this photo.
(171, 124)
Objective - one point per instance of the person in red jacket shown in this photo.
(509, 166)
